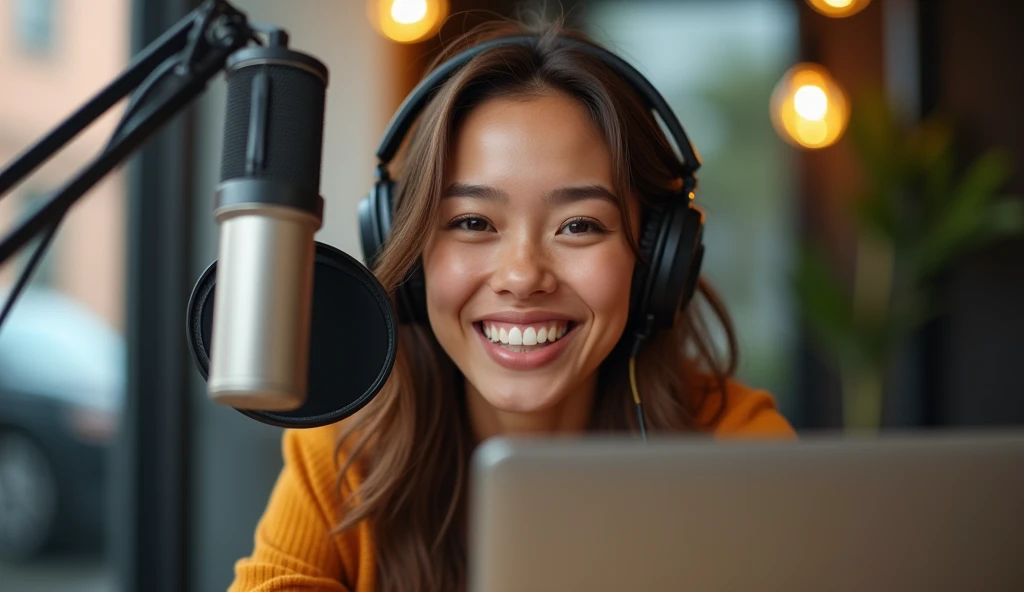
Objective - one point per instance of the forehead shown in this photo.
(530, 143)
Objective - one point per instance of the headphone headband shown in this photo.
(418, 98)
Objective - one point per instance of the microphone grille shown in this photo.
(286, 99)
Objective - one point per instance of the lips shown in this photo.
(524, 341)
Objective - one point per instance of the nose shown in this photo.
(522, 268)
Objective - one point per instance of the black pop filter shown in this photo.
(353, 339)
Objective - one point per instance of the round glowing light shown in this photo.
(838, 8)
(808, 107)
(407, 21)
(408, 12)
(810, 102)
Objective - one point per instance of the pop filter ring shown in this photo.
(323, 337)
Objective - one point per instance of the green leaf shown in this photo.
(930, 149)
(875, 212)
(824, 303)
(965, 213)
(1004, 218)
(873, 132)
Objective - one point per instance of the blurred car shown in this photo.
(62, 384)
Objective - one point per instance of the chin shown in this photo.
(521, 398)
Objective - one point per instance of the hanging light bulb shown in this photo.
(808, 107)
(838, 8)
(407, 21)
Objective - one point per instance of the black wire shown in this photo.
(138, 98)
(637, 341)
(640, 419)
(33, 262)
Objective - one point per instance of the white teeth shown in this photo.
(524, 336)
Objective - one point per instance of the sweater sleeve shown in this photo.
(294, 548)
(748, 413)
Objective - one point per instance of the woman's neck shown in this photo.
(569, 416)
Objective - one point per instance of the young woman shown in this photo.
(522, 194)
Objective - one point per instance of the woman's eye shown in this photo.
(582, 226)
(472, 224)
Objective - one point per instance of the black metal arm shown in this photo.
(168, 74)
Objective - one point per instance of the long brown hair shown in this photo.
(413, 442)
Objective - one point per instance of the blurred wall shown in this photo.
(978, 349)
(236, 459)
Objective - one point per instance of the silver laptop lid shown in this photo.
(913, 513)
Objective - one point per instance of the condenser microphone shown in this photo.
(268, 209)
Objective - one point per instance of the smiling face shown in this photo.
(528, 267)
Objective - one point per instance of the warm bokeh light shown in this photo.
(407, 21)
(808, 107)
(408, 12)
(838, 8)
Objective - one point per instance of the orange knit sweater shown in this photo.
(294, 549)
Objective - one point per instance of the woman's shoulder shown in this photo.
(320, 454)
(740, 410)
(296, 544)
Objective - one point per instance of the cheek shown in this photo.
(602, 279)
(450, 277)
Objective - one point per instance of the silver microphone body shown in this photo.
(268, 211)
(264, 290)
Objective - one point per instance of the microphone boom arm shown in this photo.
(169, 73)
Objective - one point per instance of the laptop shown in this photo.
(919, 512)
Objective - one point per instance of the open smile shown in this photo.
(525, 346)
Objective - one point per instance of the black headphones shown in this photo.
(670, 241)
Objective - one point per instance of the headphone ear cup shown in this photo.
(374, 231)
(675, 261)
(676, 277)
(643, 274)
(694, 276)
(375, 221)
(369, 228)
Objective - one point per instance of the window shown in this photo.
(34, 25)
(63, 357)
(716, 64)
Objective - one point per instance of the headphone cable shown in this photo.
(636, 391)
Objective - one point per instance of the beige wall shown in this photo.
(36, 93)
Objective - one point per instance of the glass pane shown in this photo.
(716, 63)
(62, 350)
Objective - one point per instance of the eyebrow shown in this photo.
(485, 192)
(564, 195)
(561, 195)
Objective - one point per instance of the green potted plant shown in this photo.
(915, 215)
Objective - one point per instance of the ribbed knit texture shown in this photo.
(294, 549)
